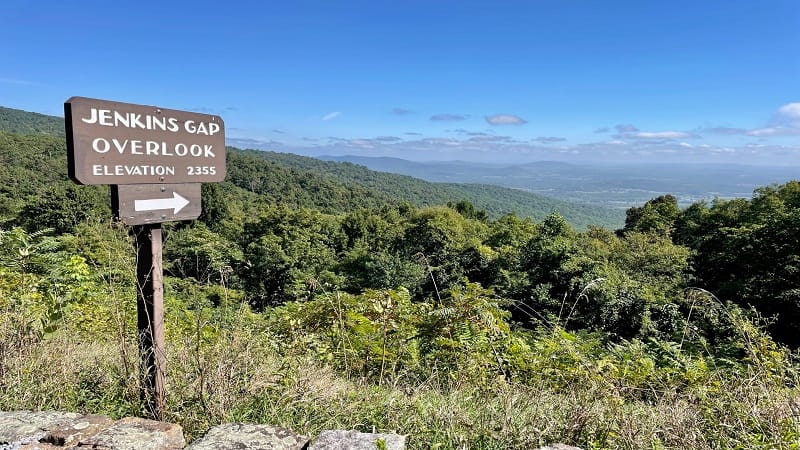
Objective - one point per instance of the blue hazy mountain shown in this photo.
(615, 185)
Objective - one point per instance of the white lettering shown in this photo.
(208, 153)
(92, 116)
(101, 145)
(195, 150)
(105, 118)
(158, 122)
(121, 119)
(136, 121)
(120, 145)
(208, 129)
(111, 118)
(121, 170)
(152, 148)
(136, 148)
(181, 150)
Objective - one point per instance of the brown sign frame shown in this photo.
(118, 143)
(142, 204)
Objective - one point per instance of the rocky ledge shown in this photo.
(52, 430)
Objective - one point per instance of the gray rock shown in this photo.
(353, 440)
(242, 436)
(26, 427)
(133, 433)
(69, 434)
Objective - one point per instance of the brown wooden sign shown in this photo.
(121, 143)
(143, 204)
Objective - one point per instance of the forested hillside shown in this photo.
(312, 293)
(495, 200)
(302, 181)
(24, 122)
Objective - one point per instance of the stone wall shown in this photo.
(53, 430)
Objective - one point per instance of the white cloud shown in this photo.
(448, 117)
(626, 128)
(785, 122)
(790, 111)
(768, 131)
(20, 82)
(505, 119)
(548, 139)
(331, 116)
(660, 135)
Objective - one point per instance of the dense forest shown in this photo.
(681, 319)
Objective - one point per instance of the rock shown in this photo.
(242, 436)
(353, 440)
(28, 427)
(133, 433)
(69, 434)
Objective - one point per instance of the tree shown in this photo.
(62, 206)
(657, 215)
(746, 251)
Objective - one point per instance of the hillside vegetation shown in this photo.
(312, 299)
(495, 200)
(24, 122)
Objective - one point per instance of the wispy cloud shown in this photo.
(447, 117)
(253, 143)
(725, 131)
(628, 131)
(488, 138)
(548, 139)
(20, 82)
(785, 122)
(774, 131)
(627, 128)
(331, 116)
(491, 148)
(660, 135)
(789, 114)
(602, 130)
(388, 139)
(402, 111)
(505, 119)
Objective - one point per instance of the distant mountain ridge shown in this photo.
(297, 180)
(494, 199)
(616, 186)
(24, 122)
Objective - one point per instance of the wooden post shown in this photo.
(150, 317)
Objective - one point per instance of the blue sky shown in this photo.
(433, 80)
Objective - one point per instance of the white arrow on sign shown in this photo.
(176, 203)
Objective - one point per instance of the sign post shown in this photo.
(150, 317)
(154, 159)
